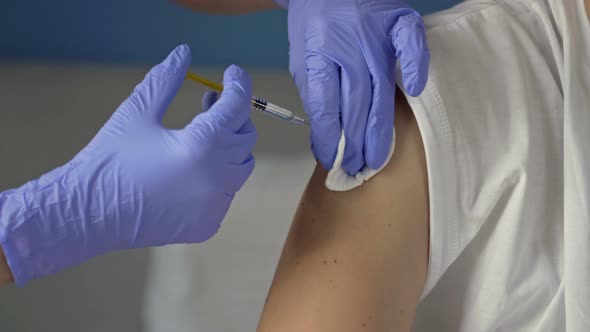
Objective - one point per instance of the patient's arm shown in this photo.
(357, 261)
(227, 6)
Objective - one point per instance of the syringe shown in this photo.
(257, 103)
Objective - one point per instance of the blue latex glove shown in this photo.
(343, 56)
(137, 184)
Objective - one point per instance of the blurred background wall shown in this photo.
(142, 32)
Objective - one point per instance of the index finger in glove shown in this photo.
(323, 107)
(232, 109)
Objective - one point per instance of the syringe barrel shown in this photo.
(272, 109)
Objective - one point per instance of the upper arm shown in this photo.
(227, 6)
(357, 260)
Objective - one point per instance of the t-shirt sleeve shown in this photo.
(489, 124)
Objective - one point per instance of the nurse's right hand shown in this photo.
(343, 56)
(137, 184)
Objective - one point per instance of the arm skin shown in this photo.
(5, 274)
(227, 7)
(357, 260)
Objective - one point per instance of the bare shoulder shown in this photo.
(227, 7)
(357, 259)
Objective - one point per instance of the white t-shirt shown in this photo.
(507, 77)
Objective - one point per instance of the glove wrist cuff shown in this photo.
(12, 216)
(33, 232)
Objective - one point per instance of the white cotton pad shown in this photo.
(338, 180)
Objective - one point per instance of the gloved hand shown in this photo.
(137, 184)
(343, 55)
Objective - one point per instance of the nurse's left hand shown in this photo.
(137, 184)
(343, 56)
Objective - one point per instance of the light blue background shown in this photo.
(143, 32)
